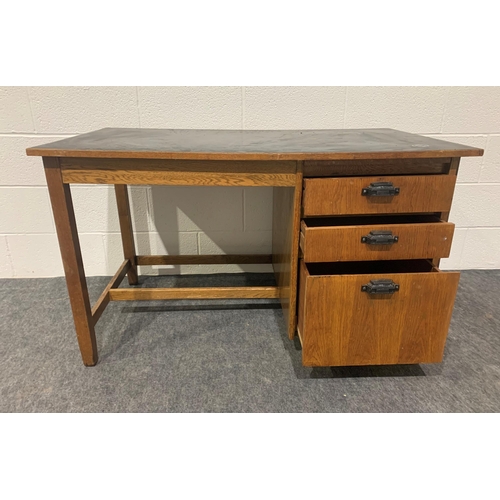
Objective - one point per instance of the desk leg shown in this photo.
(64, 218)
(126, 230)
(286, 231)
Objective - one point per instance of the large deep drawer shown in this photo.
(374, 313)
(375, 238)
(378, 195)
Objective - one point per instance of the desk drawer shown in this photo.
(345, 320)
(359, 238)
(365, 195)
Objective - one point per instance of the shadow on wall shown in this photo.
(178, 220)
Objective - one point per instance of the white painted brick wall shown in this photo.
(72, 110)
(293, 107)
(190, 107)
(213, 220)
(413, 109)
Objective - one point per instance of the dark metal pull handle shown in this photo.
(379, 238)
(382, 286)
(380, 189)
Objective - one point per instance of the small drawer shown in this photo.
(375, 238)
(374, 313)
(378, 195)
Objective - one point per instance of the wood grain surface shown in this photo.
(103, 299)
(343, 326)
(301, 300)
(125, 218)
(213, 166)
(342, 196)
(165, 260)
(444, 215)
(152, 177)
(69, 244)
(343, 243)
(347, 144)
(285, 245)
(245, 292)
(178, 172)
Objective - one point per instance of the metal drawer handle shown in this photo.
(382, 286)
(379, 238)
(380, 189)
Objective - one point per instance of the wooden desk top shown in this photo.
(175, 144)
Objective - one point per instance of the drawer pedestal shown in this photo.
(370, 291)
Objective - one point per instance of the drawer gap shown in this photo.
(373, 219)
(364, 267)
(361, 168)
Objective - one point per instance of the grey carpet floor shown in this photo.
(227, 356)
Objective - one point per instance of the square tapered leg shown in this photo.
(64, 218)
(124, 214)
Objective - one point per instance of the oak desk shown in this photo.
(342, 172)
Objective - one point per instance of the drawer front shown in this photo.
(341, 325)
(361, 195)
(364, 242)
